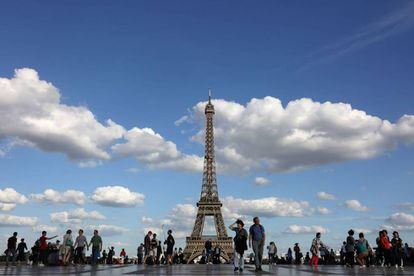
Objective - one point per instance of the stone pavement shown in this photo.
(116, 270)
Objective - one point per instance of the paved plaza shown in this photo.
(116, 270)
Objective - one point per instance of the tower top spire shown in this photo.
(209, 106)
(209, 95)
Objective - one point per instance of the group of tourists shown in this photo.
(46, 252)
(49, 251)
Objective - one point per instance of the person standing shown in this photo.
(140, 253)
(208, 245)
(67, 247)
(271, 253)
(154, 248)
(96, 242)
(21, 251)
(170, 242)
(363, 249)
(43, 247)
(240, 244)
(350, 249)
(11, 249)
(397, 248)
(147, 246)
(111, 254)
(386, 247)
(343, 253)
(317, 244)
(80, 244)
(289, 256)
(256, 240)
(298, 254)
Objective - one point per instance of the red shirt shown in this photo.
(43, 243)
(385, 242)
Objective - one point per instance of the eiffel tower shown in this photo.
(209, 204)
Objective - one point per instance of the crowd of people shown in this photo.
(72, 251)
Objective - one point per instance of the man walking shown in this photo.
(80, 244)
(11, 249)
(96, 242)
(257, 240)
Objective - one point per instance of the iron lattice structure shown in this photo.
(209, 203)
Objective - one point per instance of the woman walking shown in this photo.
(67, 247)
(397, 248)
(363, 249)
(317, 244)
(240, 244)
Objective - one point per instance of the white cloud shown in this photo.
(132, 170)
(10, 195)
(152, 150)
(5, 207)
(325, 196)
(31, 110)
(363, 230)
(180, 219)
(75, 216)
(55, 197)
(10, 220)
(234, 208)
(117, 196)
(323, 210)
(300, 135)
(47, 228)
(147, 220)
(401, 219)
(261, 181)
(297, 229)
(109, 230)
(355, 205)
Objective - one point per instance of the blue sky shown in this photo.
(145, 65)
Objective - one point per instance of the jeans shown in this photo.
(79, 255)
(95, 255)
(13, 254)
(258, 252)
(238, 260)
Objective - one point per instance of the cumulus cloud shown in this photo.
(234, 208)
(41, 227)
(297, 229)
(261, 181)
(55, 197)
(108, 230)
(31, 110)
(325, 196)
(300, 135)
(401, 219)
(180, 219)
(10, 220)
(151, 149)
(9, 198)
(323, 210)
(75, 216)
(355, 205)
(116, 196)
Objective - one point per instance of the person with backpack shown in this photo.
(317, 244)
(397, 248)
(256, 240)
(67, 246)
(11, 250)
(362, 248)
(240, 244)
(350, 249)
